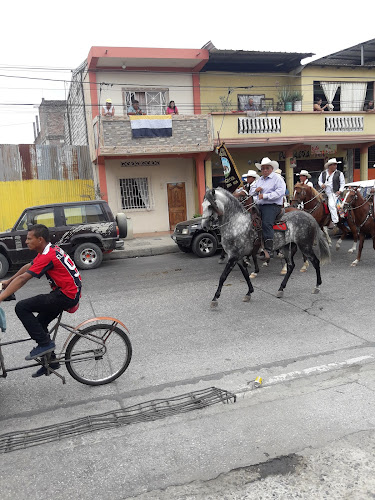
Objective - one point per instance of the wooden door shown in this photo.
(176, 203)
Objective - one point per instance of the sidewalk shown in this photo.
(145, 244)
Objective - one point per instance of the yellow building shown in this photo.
(262, 104)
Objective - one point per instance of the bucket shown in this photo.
(288, 106)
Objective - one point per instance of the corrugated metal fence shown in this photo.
(36, 175)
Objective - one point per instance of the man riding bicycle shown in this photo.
(65, 282)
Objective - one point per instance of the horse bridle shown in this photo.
(308, 201)
(350, 207)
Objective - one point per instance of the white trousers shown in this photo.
(332, 198)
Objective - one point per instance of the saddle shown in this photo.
(280, 225)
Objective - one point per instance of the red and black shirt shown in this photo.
(59, 269)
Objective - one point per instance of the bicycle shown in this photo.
(95, 355)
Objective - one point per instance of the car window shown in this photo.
(46, 218)
(84, 214)
(22, 225)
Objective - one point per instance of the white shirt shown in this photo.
(328, 183)
(308, 183)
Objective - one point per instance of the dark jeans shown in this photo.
(269, 214)
(48, 306)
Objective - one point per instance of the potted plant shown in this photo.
(297, 100)
(286, 97)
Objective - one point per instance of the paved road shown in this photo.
(314, 352)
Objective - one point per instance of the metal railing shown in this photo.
(344, 123)
(260, 125)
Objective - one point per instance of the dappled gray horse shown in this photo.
(238, 236)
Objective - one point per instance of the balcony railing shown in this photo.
(344, 123)
(190, 134)
(260, 125)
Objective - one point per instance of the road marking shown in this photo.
(286, 377)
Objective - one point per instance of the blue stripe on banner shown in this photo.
(149, 132)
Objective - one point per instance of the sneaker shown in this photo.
(40, 350)
(43, 370)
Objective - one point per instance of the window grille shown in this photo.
(150, 102)
(136, 194)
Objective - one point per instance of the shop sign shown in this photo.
(298, 155)
(323, 149)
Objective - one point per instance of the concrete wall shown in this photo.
(51, 117)
(169, 170)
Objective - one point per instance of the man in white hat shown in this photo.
(108, 109)
(249, 179)
(270, 189)
(333, 182)
(304, 177)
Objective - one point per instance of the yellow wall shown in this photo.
(214, 85)
(17, 195)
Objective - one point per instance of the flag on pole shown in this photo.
(231, 176)
(151, 125)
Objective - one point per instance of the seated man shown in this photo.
(65, 282)
(251, 106)
(134, 109)
(270, 188)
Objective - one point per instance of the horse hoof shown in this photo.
(316, 290)
(303, 270)
(283, 271)
(280, 294)
(353, 264)
(253, 275)
(351, 250)
(214, 304)
(246, 298)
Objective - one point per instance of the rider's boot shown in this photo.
(55, 365)
(268, 245)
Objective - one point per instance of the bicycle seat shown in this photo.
(73, 309)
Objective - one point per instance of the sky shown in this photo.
(42, 41)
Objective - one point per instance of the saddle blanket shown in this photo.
(280, 227)
(326, 209)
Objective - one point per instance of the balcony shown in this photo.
(284, 127)
(190, 134)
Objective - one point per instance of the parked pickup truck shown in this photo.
(84, 229)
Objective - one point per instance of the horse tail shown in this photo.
(325, 253)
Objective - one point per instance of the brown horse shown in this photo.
(361, 214)
(313, 204)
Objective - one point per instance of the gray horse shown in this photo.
(238, 236)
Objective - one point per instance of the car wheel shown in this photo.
(88, 256)
(204, 245)
(4, 265)
(184, 249)
(122, 225)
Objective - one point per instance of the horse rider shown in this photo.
(251, 177)
(270, 189)
(333, 182)
(304, 177)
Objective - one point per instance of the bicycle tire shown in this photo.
(94, 365)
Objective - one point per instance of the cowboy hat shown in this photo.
(251, 173)
(278, 171)
(331, 162)
(266, 161)
(305, 173)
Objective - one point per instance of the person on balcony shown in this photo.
(304, 177)
(171, 109)
(250, 106)
(318, 105)
(333, 182)
(108, 109)
(134, 109)
(369, 106)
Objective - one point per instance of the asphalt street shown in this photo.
(313, 417)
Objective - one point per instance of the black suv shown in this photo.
(190, 236)
(84, 229)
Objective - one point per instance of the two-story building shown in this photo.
(292, 132)
(157, 181)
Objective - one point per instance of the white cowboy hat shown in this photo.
(331, 162)
(266, 161)
(305, 173)
(278, 171)
(251, 173)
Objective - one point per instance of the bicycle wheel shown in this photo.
(99, 356)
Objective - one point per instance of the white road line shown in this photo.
(286, 377)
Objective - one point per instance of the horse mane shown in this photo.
(232, 201)
(314, 192)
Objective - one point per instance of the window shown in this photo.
(47, 218)
(243, 100)
(84, 214)
(151, 102)
(22, 225)
(135, 194)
